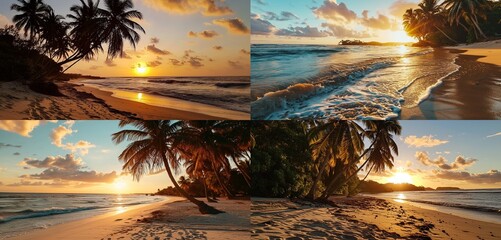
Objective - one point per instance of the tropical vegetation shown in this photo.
(316, 159)
(445, 22)
(214, 154)
(59, 41)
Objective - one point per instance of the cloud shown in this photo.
(284, 16)
(217, 48)
(176, 62)
(262, 2)
(125, 56)
(154, 64)
(21, 127)
(153, 49)
(2, 145)
(332, 11)
(342, 32)
(207, 34)
(399, 7)
(424, 141)
(154, 40)
(234, 64)
(306, 31)
(206, 7)
(381, 22)
(68, 162)
(492, 176)
(234, 25)
(188, 58)
(494, 135)
(459, 163)
(195, 62)
(260, 26)
(67, 168)
(109, 62)
(16, 154)
(243, 51)
(60, 132)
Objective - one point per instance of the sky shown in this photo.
(183, 38)
(67, 157)
(463, 154)
(328, 21)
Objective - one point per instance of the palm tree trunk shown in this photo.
(202, 207)
(447, 36)
(313, 189)
(244, 174)
(228, 193)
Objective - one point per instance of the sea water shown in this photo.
(344, 82)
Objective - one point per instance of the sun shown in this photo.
(400, 177)
(141, 69)
(401, 36)
(119, 185)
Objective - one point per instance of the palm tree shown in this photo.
(411, 24)
(53, 32)
(467, 10)
(152, 150)
(93, 26)
(379, 153)
(430, 17)
(205, 141)
(31, 17)
(332, 141)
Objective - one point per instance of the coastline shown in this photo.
(361, 218)
(19, 102)
(174, 217)
(473, 92)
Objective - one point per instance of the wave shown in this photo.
(326, 82)
(233, 85)
(458, 205)
(267, 52)
(29, 213)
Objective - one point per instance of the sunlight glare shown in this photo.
(141, 69)
(403, 50)
(119, 185)
(402, 37)
(400, 177)
(400, 198)
(139, 96)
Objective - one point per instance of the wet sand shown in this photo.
(18, 102)
(360, 218)
(473, 92)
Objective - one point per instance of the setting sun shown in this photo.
(401, 36)
(119, 185)
(141, 69)
(400, 177)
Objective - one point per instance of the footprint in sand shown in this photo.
(116, 220)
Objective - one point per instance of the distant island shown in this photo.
(373, 43)
(375, 187)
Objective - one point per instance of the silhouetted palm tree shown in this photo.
(152, 150)
(411, 22)
(54, 34)
(430, 17)
(467, 10)
(31, 17)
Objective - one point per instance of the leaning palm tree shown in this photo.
(431, 17)
(94, 26)
(379, 153)
(152, 150)
(411, 24)
(467, 10)
(30, 19)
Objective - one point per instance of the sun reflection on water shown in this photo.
(403, 50)
(400, 198)
(120, 209)
(139, 96)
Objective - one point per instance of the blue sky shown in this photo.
(170, 25)
(329, 20)
(471, 140)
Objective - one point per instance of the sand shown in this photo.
(173, 219)
(471, 93)
(489, 52)
(18, 102)
(360, 218)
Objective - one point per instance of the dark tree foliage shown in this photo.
(281, 159)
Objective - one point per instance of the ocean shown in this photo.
(21, 212)
(344, 82)
(231, 93)
(478, 204)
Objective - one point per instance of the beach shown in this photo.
(82, 102)
(360, 218)
(473, 92)
(174, 218)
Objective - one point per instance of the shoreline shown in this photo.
(170, 218)
(473, 92)
(361, 217)
(18, 102)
